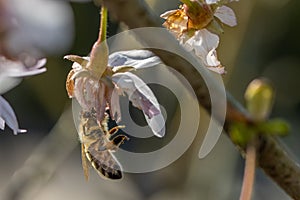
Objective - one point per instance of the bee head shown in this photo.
(86, 115)
(89, 114)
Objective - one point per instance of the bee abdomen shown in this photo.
(105, 167)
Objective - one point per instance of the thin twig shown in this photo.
(273, 158)
(249, 172)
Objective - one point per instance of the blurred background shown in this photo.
(265, 43)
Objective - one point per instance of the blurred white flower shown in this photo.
(191, 24)
(8, 116)
(103, 93)
(37, 27)
(11, 73)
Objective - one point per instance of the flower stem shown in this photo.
(99, 54)
(103, 25)
(249, 173)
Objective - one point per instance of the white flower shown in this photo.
(101, 93)
(11, 73)
(191, 26)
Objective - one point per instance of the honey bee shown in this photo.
(97, 143)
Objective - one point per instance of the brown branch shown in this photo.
(279, 166)
(272, 157)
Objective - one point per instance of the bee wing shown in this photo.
(104, 163)
(84, 161)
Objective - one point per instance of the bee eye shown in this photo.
(86, 115)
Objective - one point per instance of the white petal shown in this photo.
(166, 14)
(17, 68)
(30, 71)
(142, 97)
(2, 123)
(157, 124)
(226, 15)
(100, 103)
(204, 43)
(134, 58)
(206, 39)
(79, 89)
(115, 110)
(211, 1)
(12, 71)
(7, 114)
(218, 69)
(212, 59)
(189, 44)
(184, 37)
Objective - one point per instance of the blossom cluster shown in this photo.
(196, 24)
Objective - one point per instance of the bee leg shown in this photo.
(119, 139)
(103, 123)
(115, 129)
(114, 144)
(84, 162)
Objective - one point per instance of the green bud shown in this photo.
(241, 133)
(274, 127)
(259, 98)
